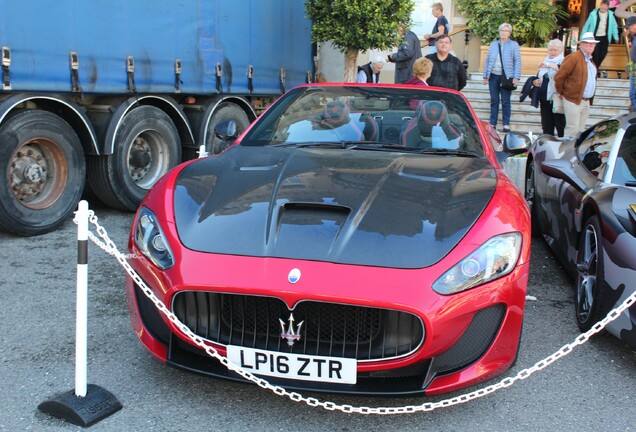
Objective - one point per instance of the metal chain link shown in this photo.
(109, 247)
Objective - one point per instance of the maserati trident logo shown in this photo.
(291, 334)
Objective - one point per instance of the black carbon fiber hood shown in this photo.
(343, 206)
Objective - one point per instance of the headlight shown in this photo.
(494, 259)
(150, 240)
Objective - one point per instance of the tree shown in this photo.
(358, 25)
(533, 21)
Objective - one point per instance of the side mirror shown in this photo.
(516, 142)
(226, 130)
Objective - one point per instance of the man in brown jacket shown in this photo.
(575, 83)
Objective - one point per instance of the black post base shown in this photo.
(82, 411)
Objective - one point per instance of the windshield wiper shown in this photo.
(448, 152)
(335, 144)
(377, 146)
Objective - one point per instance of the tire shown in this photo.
(590, 281)
(226, 111)
(43, 170)
(530, 196)
(147, 145)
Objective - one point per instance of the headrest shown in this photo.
(336, 112)
(431, 112)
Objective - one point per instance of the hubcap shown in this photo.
(147, 158)
(37, 176)
(586, 268)
(530, 187)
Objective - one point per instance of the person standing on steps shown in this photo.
(550, 104)
(602, 23)
(575, 83)
(503, 60)
(630, 30)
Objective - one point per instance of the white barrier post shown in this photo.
(81, 320)
(88, 404)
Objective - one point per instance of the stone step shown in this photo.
(612, 98)
(608, 108)
(476, 77)
(602, 91)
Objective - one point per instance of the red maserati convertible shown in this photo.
(355, 239)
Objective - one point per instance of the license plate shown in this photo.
(294, 366)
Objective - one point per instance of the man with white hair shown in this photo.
(370, 72)
(575, 83)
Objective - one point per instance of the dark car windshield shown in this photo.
(382, 118)
(625, 169)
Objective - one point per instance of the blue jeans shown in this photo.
(497, 94)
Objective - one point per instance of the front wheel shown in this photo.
(531, 198)
(43, 170)
(590, 281)
(147, 145)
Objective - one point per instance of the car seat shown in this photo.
(371, 130)
(336, 116)
(419, 131)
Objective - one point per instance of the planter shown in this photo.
(530, 59)
(615, 61)
(515, 169)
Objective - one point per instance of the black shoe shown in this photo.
(506, 129)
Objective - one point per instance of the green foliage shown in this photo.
(358, 24)
(533, 21)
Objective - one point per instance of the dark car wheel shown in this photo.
(530, 195)
(43, 168)
(590, 283)
(147, 146)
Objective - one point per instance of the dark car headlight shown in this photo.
(151, 241)
(494, 259)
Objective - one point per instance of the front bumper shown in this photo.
(486, 347)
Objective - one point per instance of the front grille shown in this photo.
(327, 329)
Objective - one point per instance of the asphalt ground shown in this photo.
(591, 389)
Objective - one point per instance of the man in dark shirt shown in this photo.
(448, 70)
(440, 28)
(407, 53)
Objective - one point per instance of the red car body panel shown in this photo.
(367, 286)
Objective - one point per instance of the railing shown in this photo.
(622, 12)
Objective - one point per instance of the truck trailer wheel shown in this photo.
(43, 170)
(226, 111)
(147, 145)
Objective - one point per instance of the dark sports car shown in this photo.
(355, 239)
(582, 192)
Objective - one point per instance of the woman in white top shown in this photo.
(551, 106)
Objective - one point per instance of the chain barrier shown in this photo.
(109, 247)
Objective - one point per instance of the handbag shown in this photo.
(506, 82)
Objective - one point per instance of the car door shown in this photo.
(573, 176)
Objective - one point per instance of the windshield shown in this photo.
(369, 117)
(625, 170)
